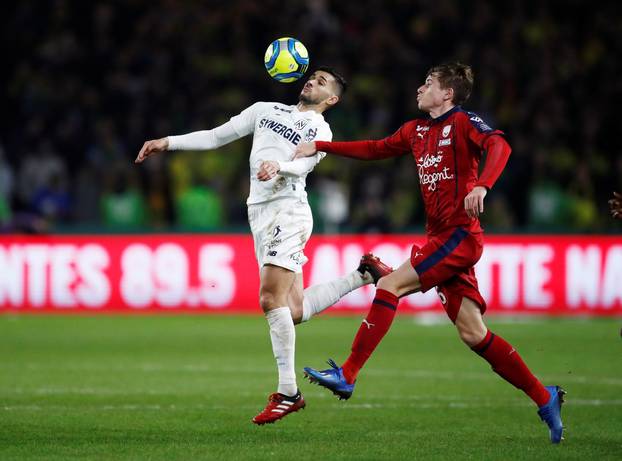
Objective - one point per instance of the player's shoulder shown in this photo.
(317, 120)
(475, 120)
(265, 107)
(415, 125)
(278, 107)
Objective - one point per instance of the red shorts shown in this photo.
(446, 262)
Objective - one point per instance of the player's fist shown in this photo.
(615, 205)
(268, 170)
(151, 147)
(474, 201)
(305, 149)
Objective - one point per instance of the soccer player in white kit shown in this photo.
(280, 217)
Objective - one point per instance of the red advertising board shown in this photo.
(554, 275)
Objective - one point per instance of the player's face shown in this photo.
(430, 95)
(320, 88)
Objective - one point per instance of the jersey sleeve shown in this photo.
(477, 130)
(244, 122)
(497, 154)
(204, 139)
(236, 128)
(325, 135)
(303, 166)
(392, 146)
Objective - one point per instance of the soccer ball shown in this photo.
(286, 59)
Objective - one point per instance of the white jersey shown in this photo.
(277, 130)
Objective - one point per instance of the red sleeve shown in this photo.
(498, 152)
(392, 146)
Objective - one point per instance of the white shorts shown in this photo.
(281, 230)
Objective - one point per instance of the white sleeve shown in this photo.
(300, 166)
(236, 128)
(303, 166)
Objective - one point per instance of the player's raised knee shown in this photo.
(267, 301)
(470, 336)
(386, 283)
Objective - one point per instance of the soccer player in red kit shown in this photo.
(447, 147)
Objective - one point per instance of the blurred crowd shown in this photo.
(86, 83)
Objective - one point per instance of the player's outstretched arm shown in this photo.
(615, 205)
(151, 147)
(305, 149)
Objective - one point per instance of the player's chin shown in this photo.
(305, 99)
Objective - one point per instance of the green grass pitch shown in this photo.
(186, 387)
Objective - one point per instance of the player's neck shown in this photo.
(438, 111)
(302, 107)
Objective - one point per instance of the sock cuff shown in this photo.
(307, 312)
(485, 343)
(386, 298)
(277, 312)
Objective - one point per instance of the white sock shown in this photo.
(283, 336)
(322, 296)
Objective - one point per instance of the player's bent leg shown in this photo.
(295, 298)
(402, 281)
(507, 363)
(341, 380)
(275, 285)
(320, 297)
(470, 323)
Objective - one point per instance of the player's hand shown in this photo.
(615, 205)
(268, 170)
(474, 201)
(305, 149)
(151, 147)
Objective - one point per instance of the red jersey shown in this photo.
(447, 150)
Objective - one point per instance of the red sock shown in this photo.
(371, 332)
(506, 362)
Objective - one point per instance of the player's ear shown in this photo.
(334, 99)
(449, 94)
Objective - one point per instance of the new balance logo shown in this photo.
(369, 325)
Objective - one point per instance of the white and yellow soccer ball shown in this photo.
(286, 59)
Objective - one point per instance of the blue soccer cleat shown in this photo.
(551, 413)
(331, 379)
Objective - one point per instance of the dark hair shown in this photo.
(457, 76)
(342, 85)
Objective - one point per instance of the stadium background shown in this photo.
(85, 83)
(88, 82)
